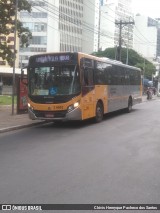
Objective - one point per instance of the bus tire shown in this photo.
(129, 108)
(99, 112)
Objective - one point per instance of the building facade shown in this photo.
(38, 23)
(112, 12)
(146, 37)
(61, 25)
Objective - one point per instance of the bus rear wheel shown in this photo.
(99, 112)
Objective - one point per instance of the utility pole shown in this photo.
(99, 25)
(14, 62)
(121, 24)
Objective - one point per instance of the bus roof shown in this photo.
(103, 59)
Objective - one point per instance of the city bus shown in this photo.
(76, 86)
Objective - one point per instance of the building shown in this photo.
(62, 25)
(114, 11)
(37, 23)
(107, 24)
(146, 37)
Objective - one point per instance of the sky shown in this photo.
(147, 7)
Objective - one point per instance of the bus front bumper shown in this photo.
(75, 114)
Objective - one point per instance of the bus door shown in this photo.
(101, 81)
(88, 95)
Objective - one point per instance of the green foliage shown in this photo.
(134, 59)
(7, 26)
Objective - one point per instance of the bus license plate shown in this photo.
(49, 115)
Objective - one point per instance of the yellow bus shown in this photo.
(77, 86)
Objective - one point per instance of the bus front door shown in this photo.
(87, 92)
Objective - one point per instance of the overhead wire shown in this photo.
(69, 20)
(89, 40)
(92, 27)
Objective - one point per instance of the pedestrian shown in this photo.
(149, 93)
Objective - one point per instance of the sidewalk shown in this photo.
(154, 97)
(9, 122)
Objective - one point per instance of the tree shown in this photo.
(134, 59)
(7, 26)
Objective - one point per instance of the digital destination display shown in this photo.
(52, 58)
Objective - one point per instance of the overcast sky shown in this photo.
(147, 7)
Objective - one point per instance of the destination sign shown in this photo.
(52, 58)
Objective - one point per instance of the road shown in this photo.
(115, 161)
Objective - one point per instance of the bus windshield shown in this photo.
(54, 80)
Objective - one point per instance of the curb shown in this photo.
(8, 129)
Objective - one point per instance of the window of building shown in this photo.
(11, 46)
(10, 39)
(37, 3)
(2, 38)
(2, 62)
(39, 40)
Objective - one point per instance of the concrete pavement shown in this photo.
(9, 122)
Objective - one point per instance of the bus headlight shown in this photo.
(73, 106)
(29, 106)
(76, 104)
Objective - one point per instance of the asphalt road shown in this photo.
(116, 161)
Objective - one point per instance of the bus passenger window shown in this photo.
(88, 77)
(99, 74)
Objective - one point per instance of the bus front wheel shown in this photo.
(99, 112)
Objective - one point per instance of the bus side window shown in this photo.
(99, 73)
(132, 77)
(113, 76)
(86, 66)
(107, 73)
(127, 81)
(109, 76)
(138, 81)
(88, 76)
(122, 76)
